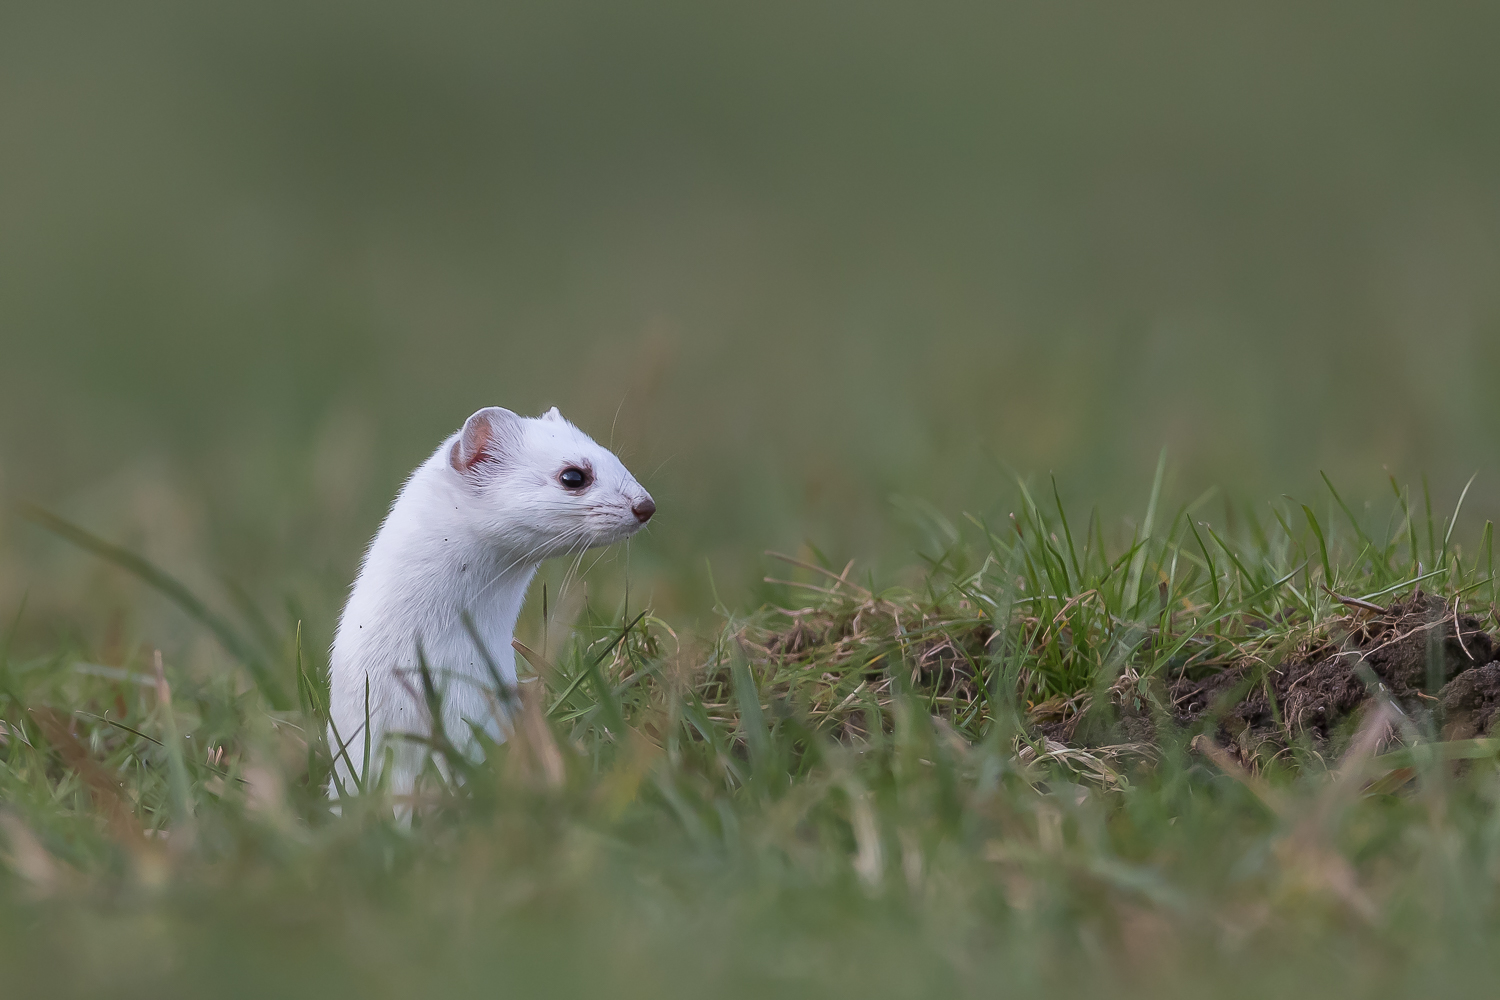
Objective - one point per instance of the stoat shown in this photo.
(463, 540)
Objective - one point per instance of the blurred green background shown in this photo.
(793, 259)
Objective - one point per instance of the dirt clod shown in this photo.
(1471, 703)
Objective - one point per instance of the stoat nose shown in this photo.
(644, 509)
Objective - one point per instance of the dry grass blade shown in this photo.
(534, 753)
(1103, 765)
(1376, 729)
(1353, 602)
(27, 857)
(538, 662)
(1222, 759)
(103, 787)
(840, 579)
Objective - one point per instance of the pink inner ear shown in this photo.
(472, 446)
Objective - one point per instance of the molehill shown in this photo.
(1437, 664)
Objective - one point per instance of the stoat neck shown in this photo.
(430, 567)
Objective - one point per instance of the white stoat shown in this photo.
(464, 537)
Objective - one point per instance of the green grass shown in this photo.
(835, 794)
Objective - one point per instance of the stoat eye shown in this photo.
(574, 478)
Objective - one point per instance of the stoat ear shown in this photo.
(552, 414)
(490, 435)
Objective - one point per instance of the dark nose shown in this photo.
(644, 510)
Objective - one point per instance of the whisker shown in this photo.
(505, 570)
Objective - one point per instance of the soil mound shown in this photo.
(1431, 660)
(1420, 650)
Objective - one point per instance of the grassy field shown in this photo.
(843, 793)
(926, 287)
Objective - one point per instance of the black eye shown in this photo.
(574, 478)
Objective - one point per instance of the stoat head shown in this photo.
(541, 487)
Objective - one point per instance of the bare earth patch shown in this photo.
(1421, 653)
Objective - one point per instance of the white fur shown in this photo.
(463, 539)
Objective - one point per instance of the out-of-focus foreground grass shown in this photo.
(837, 800)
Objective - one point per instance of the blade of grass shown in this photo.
(1448, 535)
(505, 691)
(1067, 533)
(179, 781)
(1432, 556)
(1138, 565)
(1349, 514)
(1404, 584)
(1317, 530)
(1411, 527)
(1489, 556)
(752, 722)
(171, 588)
(583, 675)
